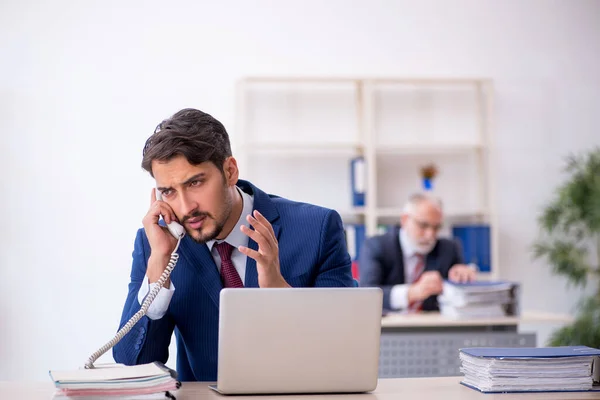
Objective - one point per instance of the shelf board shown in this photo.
(393, 149)
(430, 81)
(356, 148)
(394, 212)
(352, 212)
(368, 79)
(303, 149)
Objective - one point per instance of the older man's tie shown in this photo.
(416, 306)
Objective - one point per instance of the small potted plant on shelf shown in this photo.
(570, 242)
(428, 174)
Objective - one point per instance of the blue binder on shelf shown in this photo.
(358, 181)
(355, 237)
(475, 242)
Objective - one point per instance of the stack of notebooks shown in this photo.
(542, 369)
(475, 299)
(137, 381)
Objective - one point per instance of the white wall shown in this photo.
(82, 85)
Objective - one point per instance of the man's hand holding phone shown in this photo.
(162, 242)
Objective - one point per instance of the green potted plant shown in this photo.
(570, 242)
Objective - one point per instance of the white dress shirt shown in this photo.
(236, 238)
(399, 293)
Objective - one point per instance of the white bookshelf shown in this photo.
(302, 149)
(427, 149)
(295, 137)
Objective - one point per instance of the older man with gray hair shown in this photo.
(410, 262)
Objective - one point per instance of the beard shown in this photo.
(205, 234)
(424, 247)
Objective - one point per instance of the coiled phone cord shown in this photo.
(138, 315)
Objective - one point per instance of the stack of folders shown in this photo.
(475, 300)
(541, 369)
(139, 381)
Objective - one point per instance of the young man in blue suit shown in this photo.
(411, 262)
(237, 236)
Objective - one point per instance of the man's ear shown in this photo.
(403, 219)
(231, 171)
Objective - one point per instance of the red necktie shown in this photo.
(229, 275)
(417, 306)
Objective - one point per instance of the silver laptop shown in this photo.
(301, 340)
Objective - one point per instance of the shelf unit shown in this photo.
(295, 136)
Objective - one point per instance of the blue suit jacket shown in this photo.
(312, 252)
(381, 264)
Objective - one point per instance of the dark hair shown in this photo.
(191, 133)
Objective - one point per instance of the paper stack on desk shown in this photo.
(541, 369)
(475, 299)
(116, 380)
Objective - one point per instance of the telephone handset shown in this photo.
(178, 232)
(174, 227)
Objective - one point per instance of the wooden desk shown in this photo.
(436, 320)
(388, 389)
(426, 344)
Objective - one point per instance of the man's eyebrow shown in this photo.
(194, 178)
(187, 182)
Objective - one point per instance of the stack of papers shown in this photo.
(475, 299)
(542, 369)
(116, 380)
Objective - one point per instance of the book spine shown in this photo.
(355, 236)
(475, 243)
(358, 181)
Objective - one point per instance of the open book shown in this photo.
(117, 380)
